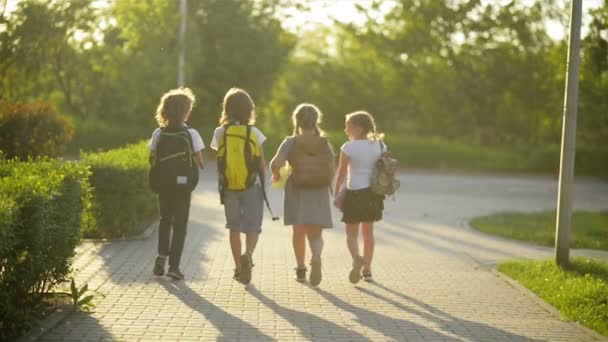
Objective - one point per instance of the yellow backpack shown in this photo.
(238, 158)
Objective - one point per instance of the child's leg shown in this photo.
(252, 214)
(251, 240)
(181, 212)
(164, 227)
(315, 240)
(298, 240)
(367, 230)
(352, 239)
(235, 246)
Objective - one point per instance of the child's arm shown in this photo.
(275, 165)
(199, 158)
(262, 163)
(342, 168)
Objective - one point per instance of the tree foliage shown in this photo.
(480, 72)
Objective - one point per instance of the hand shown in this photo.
(276, 177)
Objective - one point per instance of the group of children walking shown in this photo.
(309, 192)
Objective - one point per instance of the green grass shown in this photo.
(580, 292)
(589, 229)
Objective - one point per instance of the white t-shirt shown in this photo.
(197, 141)
(363, 155)
(220, 130)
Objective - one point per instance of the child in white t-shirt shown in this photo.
(174, 202)
(360, 206)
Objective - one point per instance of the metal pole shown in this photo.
(566, 171)
(182, 43)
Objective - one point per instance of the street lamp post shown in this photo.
(181, 63)
(566, 171)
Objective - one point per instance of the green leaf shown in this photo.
(85, 300)
(83, 290)
(74, 290)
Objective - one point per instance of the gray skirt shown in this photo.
(306, 206)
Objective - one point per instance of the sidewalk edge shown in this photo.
(546, 306)
(47, 324)
(149, 231)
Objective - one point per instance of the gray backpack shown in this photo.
(384, 180)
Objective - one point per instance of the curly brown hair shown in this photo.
(174, 107)
(238, 107)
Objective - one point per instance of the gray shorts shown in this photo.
(244, 210)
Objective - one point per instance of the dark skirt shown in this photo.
(362, 206)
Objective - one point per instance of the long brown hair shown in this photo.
(307, 116)
(174, 107)
(366, 122)
(237, 107)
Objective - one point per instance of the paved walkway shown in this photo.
(432, 283)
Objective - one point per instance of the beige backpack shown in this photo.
(311, 162)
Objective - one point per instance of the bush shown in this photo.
(43, 207)
(123, 202)
(32, 129)
(93, 134)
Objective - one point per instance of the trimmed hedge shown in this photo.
(44, 205)
(123, 202)
(33, 129)
(429, 153)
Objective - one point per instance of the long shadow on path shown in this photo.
(231, 327)
(467, 330)
(393, 328)
(312, 327)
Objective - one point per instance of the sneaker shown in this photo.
(315, 271)
(301, 274)
(355, 273)
(367, 276)
(159, 266)
(237, 274)
(246, 265)
(175, 274)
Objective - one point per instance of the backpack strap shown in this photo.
(221, 166)
(258, 170)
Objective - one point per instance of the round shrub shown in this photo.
(32, 129)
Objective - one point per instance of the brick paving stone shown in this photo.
(431, 283)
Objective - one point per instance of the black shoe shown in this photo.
(175, 274)
(159, 266)
(301, 274)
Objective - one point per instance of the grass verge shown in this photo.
(579, 292)
(589, 229)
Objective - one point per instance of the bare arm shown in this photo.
(341, 174)
(262, 163)
(275, 165)
(199, 158)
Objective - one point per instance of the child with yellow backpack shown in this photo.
(241, 171)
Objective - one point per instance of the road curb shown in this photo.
(47, 324)
(65, 310)
(149, 231)
(465, 223)
(546, 306)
